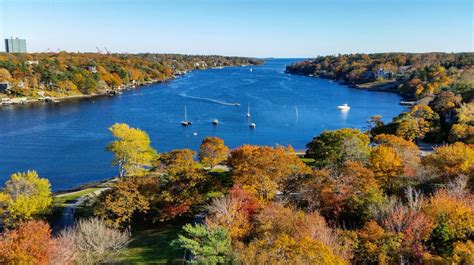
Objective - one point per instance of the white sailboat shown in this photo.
(252, 125)
(186, 122)
(215, 122)
(248, 111)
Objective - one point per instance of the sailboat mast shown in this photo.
(185, 114)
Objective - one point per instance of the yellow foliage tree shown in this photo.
(132, 151)
(407, 150)
(387, 165)
(25, 195)
(452, 160)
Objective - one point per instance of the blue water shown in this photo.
(66, 142)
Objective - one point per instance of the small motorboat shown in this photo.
(252, 125)
(344, 107)
(237, 104)
(215, 121)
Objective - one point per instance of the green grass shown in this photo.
(152, 245)
(63, 200)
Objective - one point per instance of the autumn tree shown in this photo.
(452, 160)
(208, 245)
(182, 184)
(233, 212)
(213, 151)
(347, 195)
(453, 219)
(336, 147)
(374, 245)
(118, 205)
(284, 235)
(387, 166)
(31, 243)
(24, 196)
(262, 170)
(407, 150)
(132, 151)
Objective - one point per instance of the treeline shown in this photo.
(417, 74)
(350, 201)
(91, 73)
(442, 84)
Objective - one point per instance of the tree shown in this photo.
(118, 205)
(345, 196)
(407, 150)
(336, 147)
(209, 246)
(31, 243)
(387, 166)
(96, 242)
(262, 170)
(25, 196)
(453, 220)
(132, 151)
(285, 249)
(287, 236)
(213, 151)
(452, 160)
(182, 184)
(375, 245)
(233, 212)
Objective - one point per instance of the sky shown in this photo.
(257, 28)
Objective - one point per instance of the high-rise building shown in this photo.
(15, 45)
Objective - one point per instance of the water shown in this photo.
(66, 142)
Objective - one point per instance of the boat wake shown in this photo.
(215, 101)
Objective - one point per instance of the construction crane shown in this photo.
(98, 50)
(108, 52)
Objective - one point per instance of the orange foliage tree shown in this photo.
(213, 151)
(31, 243)
(233, 212)
(262, 170)
(344, 196)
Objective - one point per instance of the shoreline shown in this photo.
(25, 101)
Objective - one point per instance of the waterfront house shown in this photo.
(32, 62)
(92, 69)
(4, 86)
(381, 73)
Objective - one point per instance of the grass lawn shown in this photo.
(64, 199)
(152, 245)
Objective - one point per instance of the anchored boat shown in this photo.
(344, 107)
(186, 122)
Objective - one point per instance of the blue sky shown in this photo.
(261, 28)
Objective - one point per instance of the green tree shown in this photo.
(132, 151)
(336, 147)
(25, 196)
(209, 246)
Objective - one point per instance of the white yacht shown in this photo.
(215, 121)
(344, 107)
(252, 125)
